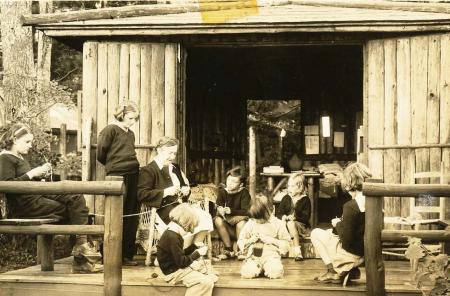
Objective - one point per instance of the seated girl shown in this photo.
(182, 265)
(263, 239)
(342, 248)
(295, 210)
(233, 202)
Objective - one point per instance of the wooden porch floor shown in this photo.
(138, 280)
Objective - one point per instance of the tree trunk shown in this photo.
(18, 61)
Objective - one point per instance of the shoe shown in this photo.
(353, 274)
(87, 251)
(86, 267)
(298, 257)
(226, 255)
(129, 262)
(329, 277)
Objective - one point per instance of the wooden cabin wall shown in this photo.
(408, 110)
(146, 73)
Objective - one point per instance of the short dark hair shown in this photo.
(238, 171)
(261, 207)
(11, 132)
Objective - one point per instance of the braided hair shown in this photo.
(11, 132)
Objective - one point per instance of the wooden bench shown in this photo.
(112, 189)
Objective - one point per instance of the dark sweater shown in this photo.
(351, 228)
(115, 150)
(151, 185)
(13, 168)
(238, 202)
(171, 255)
(301, 209)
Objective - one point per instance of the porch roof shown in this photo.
(286, 16)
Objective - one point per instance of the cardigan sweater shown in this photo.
(115, 150)
(301, 209)
(351, 228)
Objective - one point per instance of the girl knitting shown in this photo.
(233, 202)
(263, 239)
(182, 265)
(295, 210)
(342, 248)
(115, 150)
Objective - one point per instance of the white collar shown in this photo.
(121, 127)
(159, 163)
(361, 201)
(10, 153)
(176, 228)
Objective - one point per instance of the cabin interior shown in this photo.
(221, 83)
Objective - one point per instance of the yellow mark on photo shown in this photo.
(222, 11)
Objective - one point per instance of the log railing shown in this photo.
(113, 189)
(374, 192)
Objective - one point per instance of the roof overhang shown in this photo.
(266, 19)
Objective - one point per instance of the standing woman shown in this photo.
(163, 185)
(115, 150)
(15, 142)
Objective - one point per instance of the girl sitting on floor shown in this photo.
(264, 239)
(295, 210)
(342, 247)
(182, 265)
(233, 203)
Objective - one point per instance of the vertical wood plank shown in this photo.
(444, 136)
(419, 66)
(390, 91)
(419, 89)
(112, 256)
(170, 74)
(444, 132)
(89, 111)
(392, 205)
(391, 157)
(403, 91)
(124, 71)
(102, 119)
(408, 164)
(364, 155)
(433, 93)
(79, 120)
(113, 78)
(135, 81)
(145, 120)
(181, 105)
(157, 91)
(63, 147)
(45, 251)
(376, 104)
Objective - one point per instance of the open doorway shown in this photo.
(326, 80)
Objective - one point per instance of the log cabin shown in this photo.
(378, 69)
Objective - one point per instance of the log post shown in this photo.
(112, 253)
(375, 281)
(63, 147)
(252, 161)
(45, 251)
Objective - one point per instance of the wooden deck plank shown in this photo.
(298, 280)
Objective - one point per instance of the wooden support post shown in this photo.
(112, 254)
(216, 172)
(45, 251)
(80, 121)
(313, 193)
(252, 161)
(375, 281)
(63, 147)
